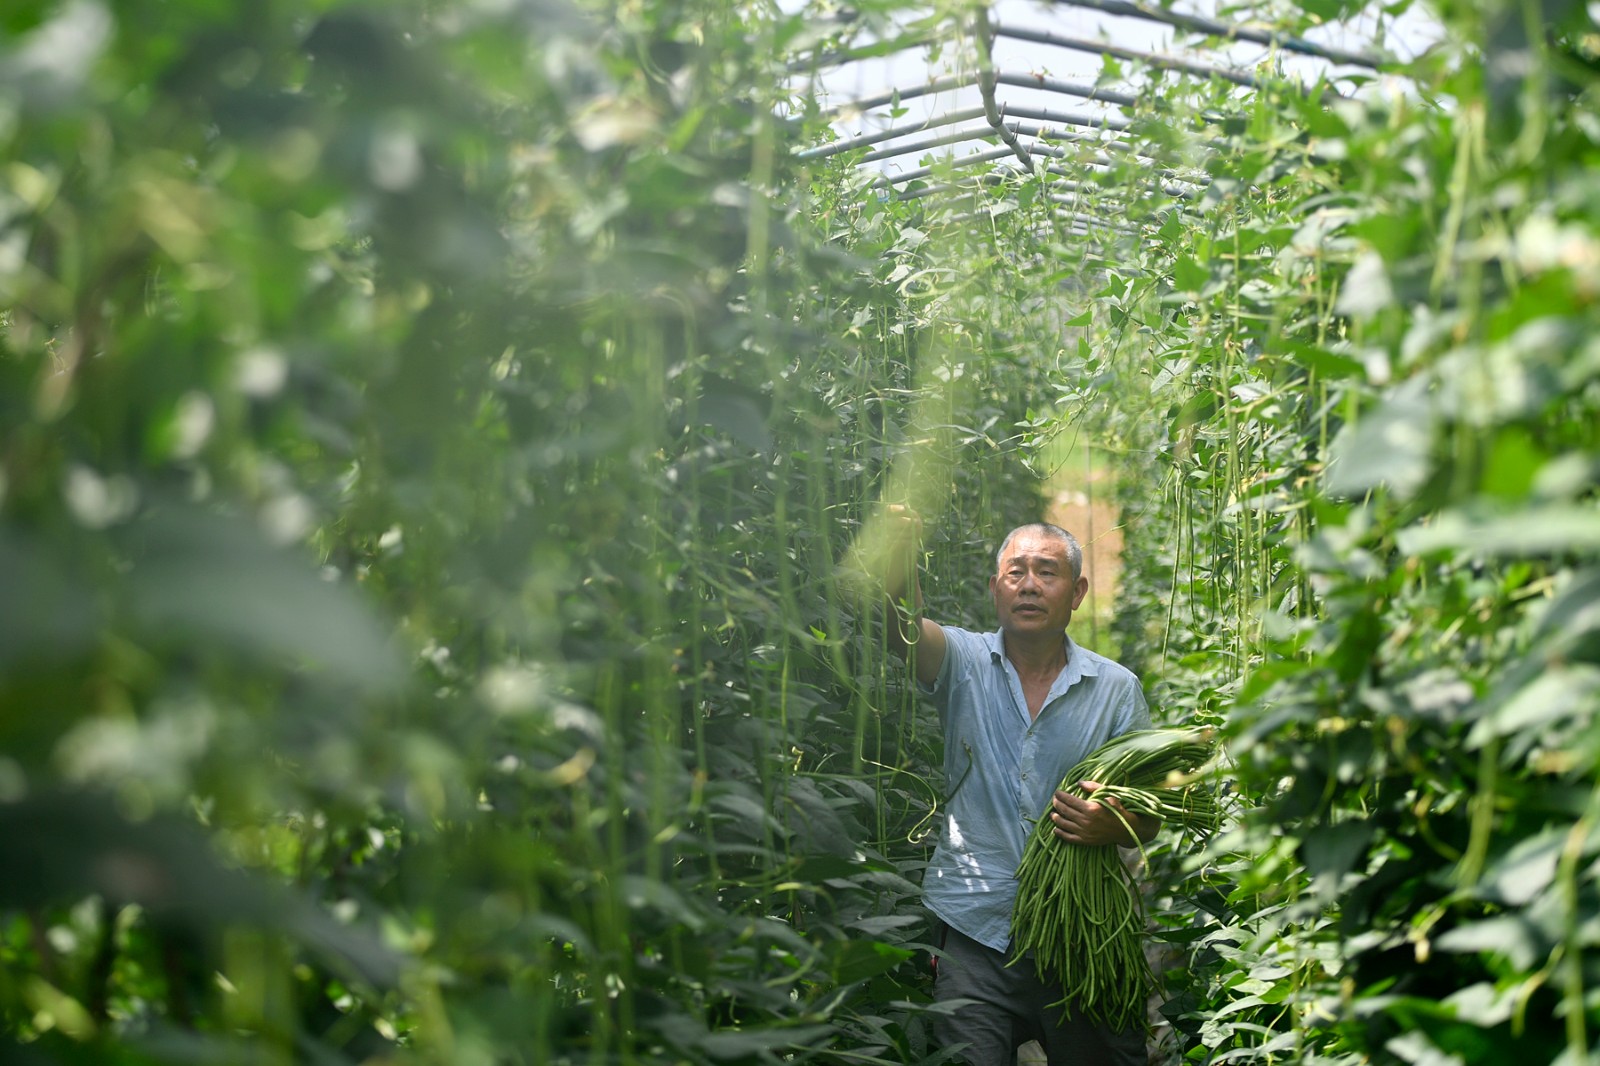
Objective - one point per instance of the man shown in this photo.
(1019, 706)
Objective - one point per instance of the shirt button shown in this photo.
(1024, 775)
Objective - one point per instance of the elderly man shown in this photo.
(1019, 706)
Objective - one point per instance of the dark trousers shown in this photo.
(1012, 1007)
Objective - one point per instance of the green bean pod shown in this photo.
(1078, 913)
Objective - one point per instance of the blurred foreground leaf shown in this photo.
(201, 578)
(75, 845)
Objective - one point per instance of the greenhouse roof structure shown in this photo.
(950, 102)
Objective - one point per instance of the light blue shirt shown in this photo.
(1001, 769)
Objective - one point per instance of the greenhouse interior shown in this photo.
(412, 412)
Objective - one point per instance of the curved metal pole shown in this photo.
(888, 181)
(1040, 114)
(986, 83)
(875, 50)
(848, 144)
(1152, 59)
(1044, 114)
(1055, 85)
(1000, 153)
(996, 178)
(1213, 28)
(955, 164)
(962, 81)
(1022, 129)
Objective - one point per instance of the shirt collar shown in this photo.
(1080, 664)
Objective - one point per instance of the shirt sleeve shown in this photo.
(1135, 712)
(957, 652)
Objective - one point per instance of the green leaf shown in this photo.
(1557, 694)
(212, 581)
(736, 411)
(742, 1044)
(1526, 870)
(1415, 1048)
(1188, 275)
(1331, 851)
(858, 960)
(1366, 288)
(1511, 935)
(1515, 460)
(74, 845)
(883, 923)
(45, 614)
(1533, 531)
(1387, 447)
(1331, 365)
(643, 893)
(1483, 1003)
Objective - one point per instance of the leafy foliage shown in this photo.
(1366, 384)
(419, 509)
(428, 433)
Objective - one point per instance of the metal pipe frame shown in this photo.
(1047, 134)
(1088, 223)
(1022, 129)
(1000, 153)
(1152, 59)
(875, 50)
(995, 176)
(965, 161)
(1092, 228)
(1044, 114)
(963, 81)
(1040, 114)
(1086, 218)
(1069, 203)
(1213, 28)
(1042, 149)
(1067, 88)
(865, 140)
(1100, 220)
(879, 49)
(988, 178)
(1091, 239)
(1026, 129)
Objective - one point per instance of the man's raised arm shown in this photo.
(903, 587)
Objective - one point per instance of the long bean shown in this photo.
(1077, 912)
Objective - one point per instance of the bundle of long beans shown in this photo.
(1077, 909)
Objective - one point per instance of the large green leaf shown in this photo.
(46, 614)
(1537, 530)
(1558, 694)
(75, 845)
(1389, 446)
(201, 580)
(1511, 935)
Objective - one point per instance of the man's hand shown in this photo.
(1094, 822)
(900, 514)
(903, 531)
(899, 542)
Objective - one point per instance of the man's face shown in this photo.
(1034, 592)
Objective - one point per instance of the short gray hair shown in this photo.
(1054, 532)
